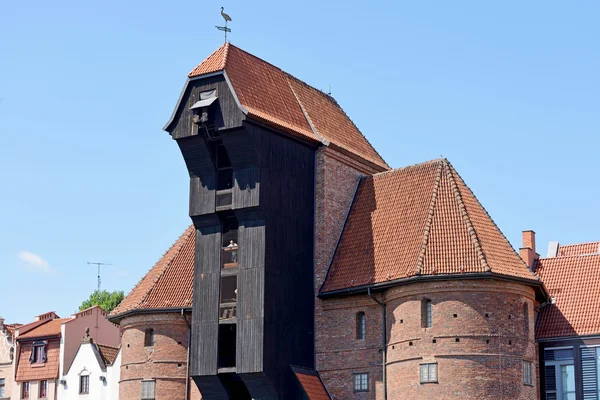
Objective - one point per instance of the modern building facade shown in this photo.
(313, 271)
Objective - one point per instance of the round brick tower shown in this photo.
(479, 337)
(154, 348)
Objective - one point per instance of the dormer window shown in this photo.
(38, 353)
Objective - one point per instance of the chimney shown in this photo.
(552, 249)
(527, 251)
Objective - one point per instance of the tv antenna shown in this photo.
(224, 28)
(98, 264)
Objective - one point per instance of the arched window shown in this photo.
(360, 325)
(426, 320)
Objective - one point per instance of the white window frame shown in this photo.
(425, 372)
(558, 373)
(145, 391)
(527, 373)
(360, 381)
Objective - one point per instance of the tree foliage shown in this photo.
(105, 299)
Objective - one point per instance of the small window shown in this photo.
(527, 373)
(43, 389)
(426, 318)
(38, 353)
(361, 382)
(428, 372)
(84, 384)
(149, 337)
(25, 390)
(526, 316)
(2, 387)
(361, 326)
(148, 390)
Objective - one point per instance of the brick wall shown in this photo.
(165, 362)
(486, 316)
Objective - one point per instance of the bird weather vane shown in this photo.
(224, 28)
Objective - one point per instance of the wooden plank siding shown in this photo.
(207, 280)
(228, 114)
(273, 200)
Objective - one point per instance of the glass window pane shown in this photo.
(563, 354)
(424, 373)
(433, 372)
(568, 381)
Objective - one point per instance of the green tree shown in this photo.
(107, 300)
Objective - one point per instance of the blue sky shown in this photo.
(508, 91)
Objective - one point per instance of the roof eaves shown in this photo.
(434, 195)
(466, 218)
(116, 318)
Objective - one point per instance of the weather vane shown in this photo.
(224, 28)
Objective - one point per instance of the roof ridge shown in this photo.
(167, 264)
(390, 171)
(225, 48)
(466, 218)
(225, 54)
(494, 223)
(571, 256)
(433, 203)
(308, 119)
(578, 244)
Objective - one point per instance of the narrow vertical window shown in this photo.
(426, 318)
(84, 384)
(527, 373)
(2, 387)
(148, 388)
(526, 316)
(360, 325)
(149, 337)
(25, 390)
(43, 389)
(361, 382)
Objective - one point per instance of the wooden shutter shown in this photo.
(589, 369)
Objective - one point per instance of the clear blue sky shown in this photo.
(508, 91)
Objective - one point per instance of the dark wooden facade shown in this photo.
(272, 200)
(584, 361)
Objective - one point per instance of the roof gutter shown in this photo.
(118, 317)
(365, 289)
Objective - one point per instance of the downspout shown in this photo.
(383, 340)
(187, 364)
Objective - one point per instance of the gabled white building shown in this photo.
(93, 374)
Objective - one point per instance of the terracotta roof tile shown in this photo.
(573, 281)
(108, 353)
(35, 372)
(578, 249)
(47, 329)
(12, 327)
(312, 384)
(275, 97)
(169, 284)
(418, 220)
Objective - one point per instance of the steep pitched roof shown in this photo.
(573, 281)
(108, 353)
(277, 98)
(311, 384)
(169, 284)
(578, 249)
(418, 221)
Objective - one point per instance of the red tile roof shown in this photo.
(35, 372)
(169, 284)
(48, 328)
(574, 282)
(11, 328)
(417, 221)
(275, 97)
(108, 353)
(578, 249)
(312, 384)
